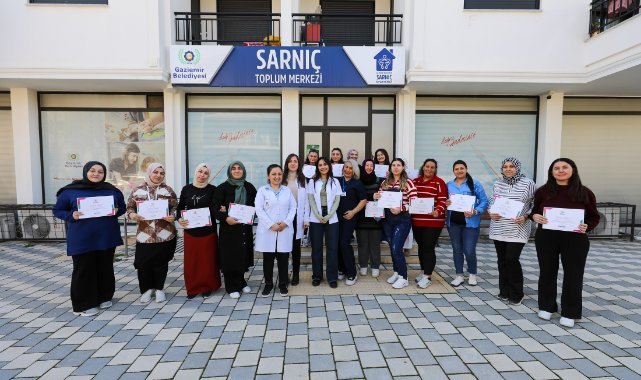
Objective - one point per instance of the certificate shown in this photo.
(381, 170)
(422, 206)
(242, 213)
(197, 217)
(309, 171)
(563, 219)
(507, 208)
(95, 207)
(337, 170)
(462, 202)
(373, 211)
(390, 199)
(153, 209)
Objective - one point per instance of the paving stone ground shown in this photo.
(470, 334)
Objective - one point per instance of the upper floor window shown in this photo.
(501, 4)
(68, 1)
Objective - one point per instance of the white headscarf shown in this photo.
(201, 165)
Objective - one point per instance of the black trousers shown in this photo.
(426, 238)
(573, 249)
(92, 279)
(268, 267)
(510, 271)
(234, 281)
(295, 250)
(153, 276)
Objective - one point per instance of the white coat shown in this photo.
(271, 209)
(302, 210)
(333, 190)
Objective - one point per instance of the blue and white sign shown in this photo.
(271, 66)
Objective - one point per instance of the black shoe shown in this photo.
(206, 294)
(295, 279)
(333, 284)
(267, 290)
(502, 297)
(191, 296)
(316, 282)
(283, 290)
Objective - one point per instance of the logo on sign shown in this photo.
(189, 57)
(384, 65)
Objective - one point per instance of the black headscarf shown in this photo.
(368, 179)
(85, 183)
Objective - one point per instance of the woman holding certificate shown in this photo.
(395, 195)
(195, 211)
(427, 226)
(294, 179)
(368, 228)
(324, 195)
(466, 202)
(91, 207)
(153, 206)
(565, 210)
(235, 239)
(510, 227)
(276, 210)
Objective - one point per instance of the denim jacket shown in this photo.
(480, 205)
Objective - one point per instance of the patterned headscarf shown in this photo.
(517, 176)
(240, 195)
(150, 169)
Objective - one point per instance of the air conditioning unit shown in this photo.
(609, 222)
(41, 224)
(7, 225)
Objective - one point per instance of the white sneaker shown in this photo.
(234, 295)
(247, 289)
(146, 296)
(419, 277)
(106, 305)
(400, 283)
(364, 271)
(341, 275)
(424, 283)
(351, 281)
(545, 315)
(567, 322)
(472, 280)
(458, 280)
(93, 311)
(392, 279)
(160, 296)
(376, 273)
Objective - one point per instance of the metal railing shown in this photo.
(244, 28)
(347, 29)
(604, 14)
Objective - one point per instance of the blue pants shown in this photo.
(396, 228)
(316, 232)
(464, 243)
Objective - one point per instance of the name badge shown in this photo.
(343, 194)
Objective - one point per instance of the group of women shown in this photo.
(333, 209)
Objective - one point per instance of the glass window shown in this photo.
(7, 162)
(501, 4)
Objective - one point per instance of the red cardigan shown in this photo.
(434, 188)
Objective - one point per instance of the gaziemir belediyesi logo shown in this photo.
(189, 57)
(384, 65)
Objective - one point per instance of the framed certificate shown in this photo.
(462, 202)
(309, 171)
(507, 208)
(422, 206)
(381, 170)
(242, 213)
(390, 199)
(373, 211)
(153, 209)
(563, 219)
(197, 217)
(337, 170)
(95, 207)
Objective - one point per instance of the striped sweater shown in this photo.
(434, 188)
(507, 229)
(408, 194)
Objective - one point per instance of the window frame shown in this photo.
(71, 2)
(502, 4)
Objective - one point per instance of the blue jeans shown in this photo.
(464, 243)
(316, 232)
(396, 228)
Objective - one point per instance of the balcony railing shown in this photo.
(605, 14)
(347, 29)
(228, 28)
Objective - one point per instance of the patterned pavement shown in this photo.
(470, 334)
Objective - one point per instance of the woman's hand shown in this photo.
(395, 210)
(520, 219)
(305, 226)
(540, 219)
(275, 227)
(169, 218)
(76, 215)
(583, 227)
(435, 214)
(323, 220)
(282, 225)
(377, 196)
(495, 216)
(468, 214)
(232, 221)
(135, 217)
(183, 222)
(448, 202)
(349, 214)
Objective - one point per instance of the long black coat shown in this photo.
(235, 243)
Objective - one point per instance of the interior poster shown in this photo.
(481, 140)
(126, 142)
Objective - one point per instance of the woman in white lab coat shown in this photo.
(276, 209)
(295, 180)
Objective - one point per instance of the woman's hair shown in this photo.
(469, 180)
(312, 150)
(272, 166)
(339, 151)
(425, 162)
(146, 161)
(387, 161)
(576, 191)
(389, 181)
(355, 168)
(330, 174)
(300, 178)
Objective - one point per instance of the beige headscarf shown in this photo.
(153, 166)
(201, 165)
